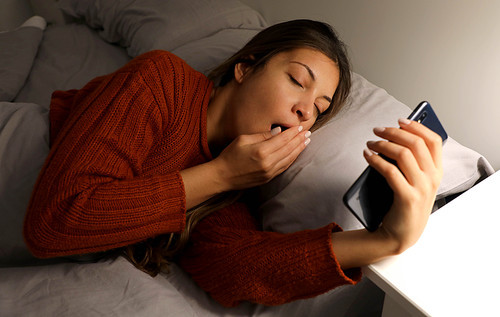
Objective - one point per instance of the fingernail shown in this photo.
(275, 131)
(378, 130)
(404, 121)
(308, 134)
(367, 152)
(370, 143)
(307, 141)
(301, 128)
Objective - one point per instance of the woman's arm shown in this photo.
(233, 260)
(92, 194)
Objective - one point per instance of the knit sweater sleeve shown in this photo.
(92, 193)
(231, 259)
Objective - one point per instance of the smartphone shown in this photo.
(370, 197)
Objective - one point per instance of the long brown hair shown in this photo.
(152, 255)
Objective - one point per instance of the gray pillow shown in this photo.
(309, 194)
(145, 25)
(18, 49)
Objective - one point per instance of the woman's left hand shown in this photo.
(415, 181)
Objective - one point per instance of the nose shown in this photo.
(304, 110)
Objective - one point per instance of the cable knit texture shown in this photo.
(112, 179)
(231, 259)
(112, 175)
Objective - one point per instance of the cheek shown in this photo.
(264, 99)
(267, 98)
(308, 125)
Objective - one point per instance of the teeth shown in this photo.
(277, 125)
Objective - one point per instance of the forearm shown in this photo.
(234, 261)
(202, 182)
(360, 247)
(65, 219)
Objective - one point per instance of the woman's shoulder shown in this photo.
(161, 60)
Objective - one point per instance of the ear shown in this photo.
(242, 69)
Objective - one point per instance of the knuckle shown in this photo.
(393, 172)
(436, 139)
(268, 175)
(404, 154)
(417, 142)
(241, 140)
(265, 166)
(260, 154)
(390, 171)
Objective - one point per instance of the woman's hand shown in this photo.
(417, 151)
(252, 160)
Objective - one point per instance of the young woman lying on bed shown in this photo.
(155, 149)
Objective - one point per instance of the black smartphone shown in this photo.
(370, 197)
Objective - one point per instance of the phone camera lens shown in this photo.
(422, 117)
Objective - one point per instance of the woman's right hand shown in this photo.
(418, 152)
(252, 160)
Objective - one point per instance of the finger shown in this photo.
(275, 143)
(432, 139)
(283, 157)
(402, 155)
(299, 141)
(290, 153)
(411, 141)
(275, 133)
(395, 179)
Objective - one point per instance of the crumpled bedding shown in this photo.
(114, 287)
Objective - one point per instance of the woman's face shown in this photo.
(292, 89)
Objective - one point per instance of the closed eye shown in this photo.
(295, 81)
(318, 112)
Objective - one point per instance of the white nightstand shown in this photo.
(452, 270)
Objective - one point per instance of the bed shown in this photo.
(96, 37)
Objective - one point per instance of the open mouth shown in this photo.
(283, 128)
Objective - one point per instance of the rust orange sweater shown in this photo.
(112, 179)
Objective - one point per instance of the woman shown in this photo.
(132, 151)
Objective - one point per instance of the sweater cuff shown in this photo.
(175, 195)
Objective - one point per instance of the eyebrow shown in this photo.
(311, 73)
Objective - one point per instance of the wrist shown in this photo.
(393, 245)
(220, 175)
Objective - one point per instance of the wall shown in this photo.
(446, 52)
